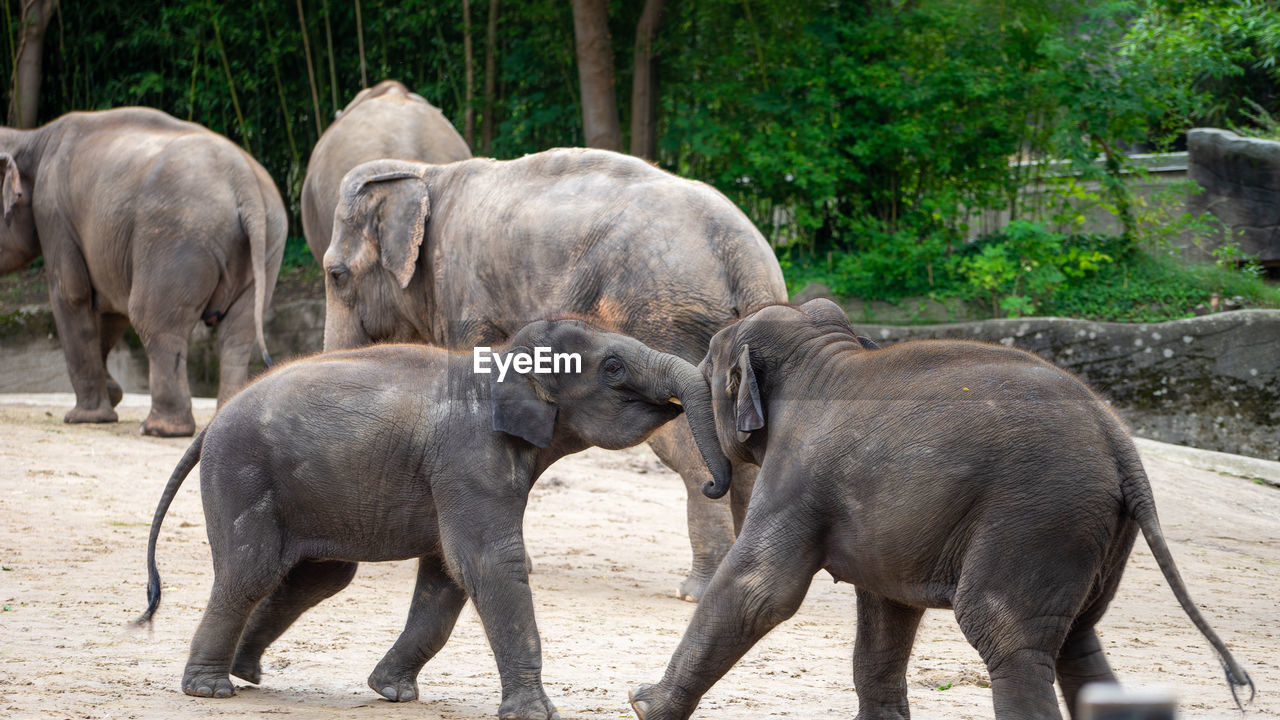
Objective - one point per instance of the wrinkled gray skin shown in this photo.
(463, 254)
(384, 121)
(402, 451)
(935, 474)
(146, 220)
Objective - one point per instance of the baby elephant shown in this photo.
(932, 474)
(404, 451)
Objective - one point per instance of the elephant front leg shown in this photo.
(437, 600)
(488, 556)
(307, 584)
(761, 582)
(80, 332)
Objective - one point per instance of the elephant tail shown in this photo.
(253, 217)
(188, 461)
(1141, 505)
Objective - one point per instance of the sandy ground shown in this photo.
(606, 531)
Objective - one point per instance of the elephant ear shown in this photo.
(10, 184)
(520, 406)
(399, 250)
(749, 411)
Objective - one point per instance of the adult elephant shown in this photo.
(464, 254)
(147, 220)
(384, 121)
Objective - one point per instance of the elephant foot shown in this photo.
(168, 427)
(95, 415)
(396, 687)
(115, 393)
(645, 702)
(530, 704)
(209, 682)
(247, 670)
(693, 587)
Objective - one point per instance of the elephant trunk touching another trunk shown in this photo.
(688, 385)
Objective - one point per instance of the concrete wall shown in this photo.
(1240, 177)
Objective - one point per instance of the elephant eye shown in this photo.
(613, 366)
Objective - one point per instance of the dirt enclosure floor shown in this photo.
(606, 532)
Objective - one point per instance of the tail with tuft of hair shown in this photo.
(188, 461)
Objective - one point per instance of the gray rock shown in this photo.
(1241, 181)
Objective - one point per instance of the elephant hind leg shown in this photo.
(1017, 610)
(164, 307)
(79, 328)
(711, 525)
(308, 583)
(112, 328)
(1080, 662)
(236, 337)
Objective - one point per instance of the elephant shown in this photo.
(463, 254)
(405, 451)
(147, 220)
(929, 474)
(384, 121)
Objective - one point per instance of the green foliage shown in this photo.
(865, 139)
(1153, 287)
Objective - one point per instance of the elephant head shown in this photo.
(743, 359)
(619, 393)
(378, 230)
(19, 244)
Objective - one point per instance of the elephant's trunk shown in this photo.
(685, 383)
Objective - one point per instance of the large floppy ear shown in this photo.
(520, 406)
(401, 246)
(10, 184)
(749, 411)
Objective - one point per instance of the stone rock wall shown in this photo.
(1241, 181)
(1211, 382)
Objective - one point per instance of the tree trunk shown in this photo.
(490, 78)
(600, 126)
(24, 99)
(644, 86)
(469, 111)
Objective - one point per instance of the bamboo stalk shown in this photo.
(284, 105)
(231, 83)
(364, 76)
(311, 70)
(469, 111)
(333, 75)
(195, 68)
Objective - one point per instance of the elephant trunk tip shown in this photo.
(715, 489)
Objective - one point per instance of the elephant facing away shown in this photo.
(935, 474)
(398, 452)
(464, 254)
(384, 121)
(147, 220)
